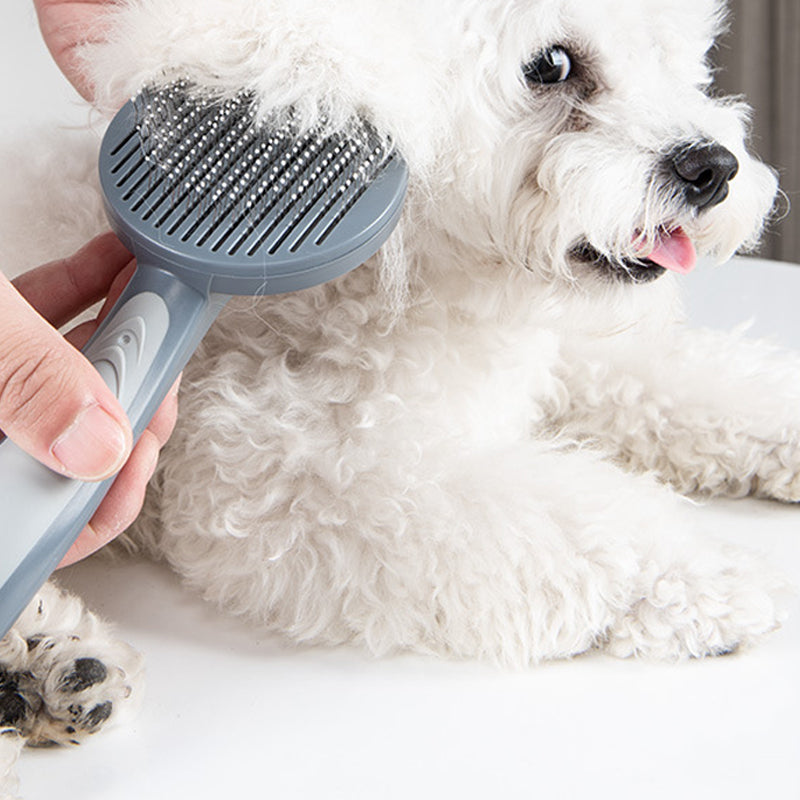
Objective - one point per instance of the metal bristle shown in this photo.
(208, 171)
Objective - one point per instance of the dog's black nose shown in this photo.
(704, 171)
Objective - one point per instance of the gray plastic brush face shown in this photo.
(212, 204)
(254, 208)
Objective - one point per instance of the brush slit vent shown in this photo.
(130, 173)
(135, 148)
(123, 142)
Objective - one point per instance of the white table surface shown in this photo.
(232, 713)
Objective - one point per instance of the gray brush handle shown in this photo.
(139, 350)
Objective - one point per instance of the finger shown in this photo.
(163, 422)
(79, 335)
(118, 284)
(66, 24)
(63, 289)
(121, 505)
(53, 403)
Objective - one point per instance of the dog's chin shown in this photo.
(628, 271)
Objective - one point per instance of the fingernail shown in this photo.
(93, 447)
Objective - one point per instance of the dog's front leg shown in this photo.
(707, 411)
(546, 554)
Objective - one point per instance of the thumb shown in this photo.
(53, 403)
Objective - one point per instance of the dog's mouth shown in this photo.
(671, 251)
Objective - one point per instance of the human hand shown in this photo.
(66, 24)
(54, 404)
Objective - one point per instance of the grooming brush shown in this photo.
(213, 203)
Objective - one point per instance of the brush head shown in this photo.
(242, 206)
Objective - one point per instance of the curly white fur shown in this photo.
(438, 451)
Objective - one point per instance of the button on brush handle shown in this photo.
(139, 350)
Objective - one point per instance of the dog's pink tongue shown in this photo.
(675, 251)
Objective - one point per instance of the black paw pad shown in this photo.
(92, 719)
(98, 715)
(86, 673)
(13, 706)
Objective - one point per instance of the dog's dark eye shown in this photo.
(550, 66)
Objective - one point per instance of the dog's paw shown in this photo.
(81, 687)
(779, 474)
(63, 675)
(713, 607)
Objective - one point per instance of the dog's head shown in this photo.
(574, 139)
(594, 142)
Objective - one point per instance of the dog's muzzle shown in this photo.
(700, 174)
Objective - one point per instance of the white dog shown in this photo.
(474, 444)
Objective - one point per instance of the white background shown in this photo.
(233, 713)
